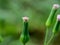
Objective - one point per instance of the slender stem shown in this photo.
(55, 30)
(46, 37)
(50, 39)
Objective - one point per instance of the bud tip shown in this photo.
(58, 17)
(25, 18)
(55, 6)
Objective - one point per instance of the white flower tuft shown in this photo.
(56, 6)
(58, 17)
(25, 18)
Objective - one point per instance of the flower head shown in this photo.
(55, 6)
(25, 19)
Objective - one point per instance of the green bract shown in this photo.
(56, 26)
(24, 38)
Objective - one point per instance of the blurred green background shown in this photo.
(11, 24)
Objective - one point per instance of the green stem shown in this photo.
(50, 39)
(46, 37)
(55, 30)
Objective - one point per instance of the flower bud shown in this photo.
(52, 14)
